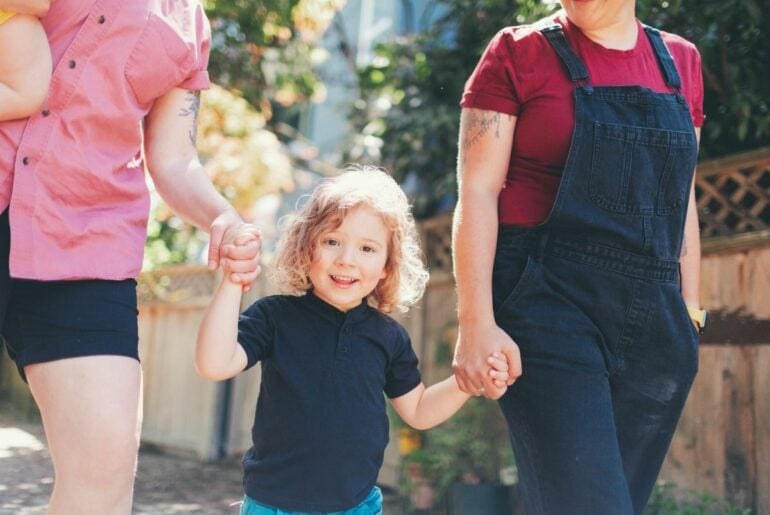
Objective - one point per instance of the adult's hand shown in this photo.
(475, 343)
(37, 8)
(236, 246)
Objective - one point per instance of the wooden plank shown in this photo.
(710, 419)
(740, 467)
(762, 427)
(758, 290)
(756, 157)
(179, 406)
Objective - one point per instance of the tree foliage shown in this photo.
(407, 114)
(266, 49)
(732, 38)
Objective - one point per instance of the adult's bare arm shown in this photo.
(689, 261)
(486, 139)
(172, 160)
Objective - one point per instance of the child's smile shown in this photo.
(349, 261)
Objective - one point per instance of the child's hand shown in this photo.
(240, 258)
(499, 374)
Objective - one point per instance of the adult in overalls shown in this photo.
(577, 250)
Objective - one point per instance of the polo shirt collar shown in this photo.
(330, 312)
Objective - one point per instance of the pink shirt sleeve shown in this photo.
(198, 78)
(492, 86)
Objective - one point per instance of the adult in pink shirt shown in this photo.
(74, 204)
(577, 250)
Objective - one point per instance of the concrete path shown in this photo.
(166, 484)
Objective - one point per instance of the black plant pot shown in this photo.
(467, 499)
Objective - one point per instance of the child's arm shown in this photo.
(25, 66)
(423, 408)
(218, 355)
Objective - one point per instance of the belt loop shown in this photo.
(542, 242)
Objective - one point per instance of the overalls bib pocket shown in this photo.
(621, 151)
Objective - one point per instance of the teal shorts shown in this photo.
(372, 505)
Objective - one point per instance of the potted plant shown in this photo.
(467, 460)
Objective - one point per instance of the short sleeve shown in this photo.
(198, 78)
(402, 375)
(256, 332)
(688, 63)
(696, 92)
(491, 86)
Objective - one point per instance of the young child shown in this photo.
(329, 350)
(25, 65)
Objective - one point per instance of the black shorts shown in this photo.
(44, 321)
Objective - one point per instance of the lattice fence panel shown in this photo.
(733, 194)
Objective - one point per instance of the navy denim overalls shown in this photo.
(592, 298)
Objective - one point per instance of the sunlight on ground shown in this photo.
(12, 438)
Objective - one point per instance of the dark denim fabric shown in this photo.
(592, 299)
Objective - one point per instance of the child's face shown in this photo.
(349, 261)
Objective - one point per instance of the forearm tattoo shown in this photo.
(193, 99)
(476, 125)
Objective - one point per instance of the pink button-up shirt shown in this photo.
(72, 175)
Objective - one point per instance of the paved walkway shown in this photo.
(165, 484)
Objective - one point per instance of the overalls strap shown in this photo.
(664, 58)
(555, 35)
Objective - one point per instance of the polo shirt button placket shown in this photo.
(343, 345)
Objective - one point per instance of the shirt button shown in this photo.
(72, 63)
(25, 160)
(101, 19)
(344, 349)
(46, 112)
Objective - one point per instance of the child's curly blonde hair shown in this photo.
(325, 210)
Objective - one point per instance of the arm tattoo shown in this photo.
(477, 125)
(194, 103)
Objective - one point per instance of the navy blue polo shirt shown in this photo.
(321, 427)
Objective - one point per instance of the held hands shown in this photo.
(479, 354)
(499, 374)
(236, 246)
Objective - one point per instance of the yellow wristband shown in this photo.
(698, 316)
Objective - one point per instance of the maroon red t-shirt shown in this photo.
(521, 75)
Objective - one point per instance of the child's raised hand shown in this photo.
(499, 373)
(240, 256)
